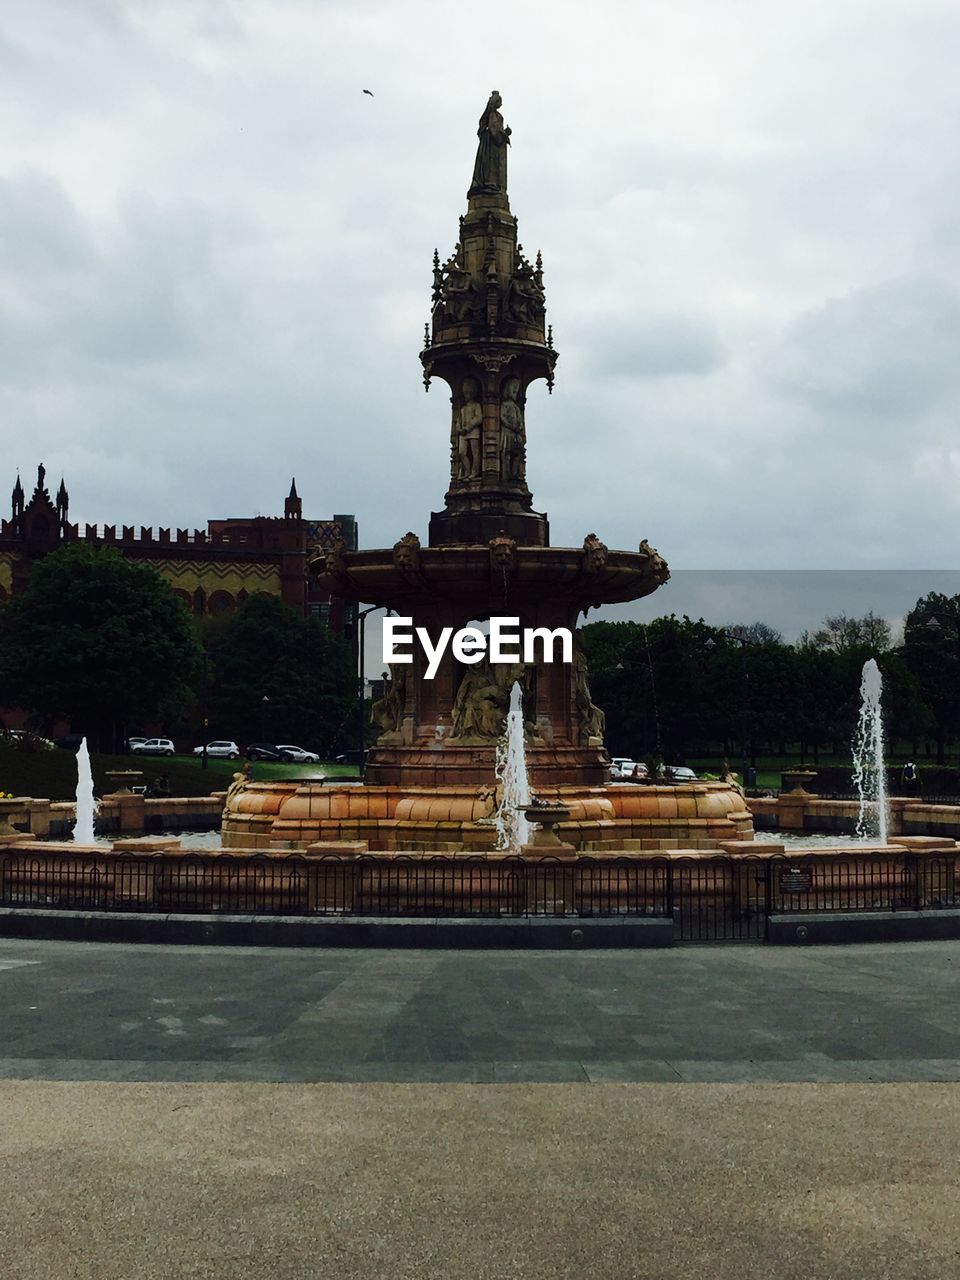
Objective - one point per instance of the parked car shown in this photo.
(26, 740)
(221, 750)
(290, 752)
(679, 773)
(639, 773)
(153, 747)
(262, 751)
(134, 742)
(621, 767)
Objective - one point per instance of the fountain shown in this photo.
(87, 805)
(430, 778)
(868, 769)
(513, 829)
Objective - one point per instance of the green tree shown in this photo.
(273, 674)
(841, 634)
(931, 651)
(97, 640)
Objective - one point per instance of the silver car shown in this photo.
(152, 747)
(289, 752)
(221, 750)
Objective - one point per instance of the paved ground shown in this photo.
(479, 1182)
(116, 1012)
(207, 1170)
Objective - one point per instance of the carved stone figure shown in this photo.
(593, 722)
(595, 553)
(490, 167)
(406, 553)
(483, 699)
(239, 782)
(523, 300)
(387, 712)
(503, 551)
(468, 432)
(657, 562)
(461, 295)
(328, 560)
(512, 432)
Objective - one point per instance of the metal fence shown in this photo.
(709, 898)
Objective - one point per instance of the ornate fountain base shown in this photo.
(292, 815)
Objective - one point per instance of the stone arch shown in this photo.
(221, 602)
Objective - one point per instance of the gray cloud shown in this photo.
(215, 263)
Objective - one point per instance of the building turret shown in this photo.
(63, 504)
(17, 507)
(293, 507)
(488, 341)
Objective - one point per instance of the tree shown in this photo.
(931, 651)
(757, 633)
(276, 675)
(841, 633)
(98, 640)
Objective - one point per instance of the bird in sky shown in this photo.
(368, 91)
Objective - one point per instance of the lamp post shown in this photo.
(743, 642)
(361, 700)
(264, 704)
(936, 623)
(633, 663)
(203, 709)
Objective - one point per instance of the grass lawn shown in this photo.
(52, 775)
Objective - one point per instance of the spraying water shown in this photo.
(868, 771)
(86, 804)
(513, 829)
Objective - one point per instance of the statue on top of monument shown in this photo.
(490, 167)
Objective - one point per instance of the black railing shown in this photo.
(710, 898)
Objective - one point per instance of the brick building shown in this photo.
(212, 570)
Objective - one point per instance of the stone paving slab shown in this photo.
(103, 1181)
(78, 1011)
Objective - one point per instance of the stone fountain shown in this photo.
(430, 778)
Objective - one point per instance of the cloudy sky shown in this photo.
(216, 263)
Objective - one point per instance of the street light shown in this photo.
(743, 642)
(361, 708)
(264, 704)
(936, 623)
(658, 760)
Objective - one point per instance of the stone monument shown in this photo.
(487, 554)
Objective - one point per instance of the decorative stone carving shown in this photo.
(512, 432)
(328, 561)
(494, 361)
(595, 553)
(468, 432)
(523, 297)
(592, 720)
(657, 563)
(490, 166)
(483, 699)
(387, 712)
(503, 552)
(406, 553)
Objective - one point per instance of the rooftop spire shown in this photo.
(293, 508)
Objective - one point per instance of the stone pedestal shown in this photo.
(130, 809)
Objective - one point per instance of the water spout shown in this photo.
(87, 805)
(869, 775)
(513, 829)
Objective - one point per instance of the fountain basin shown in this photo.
(275, 815)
